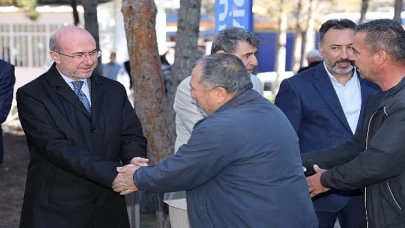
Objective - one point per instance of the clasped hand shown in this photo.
(124, 182)
(314, 182)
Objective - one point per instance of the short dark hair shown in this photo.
(335, 24)
(228, 40)
(224, 70)
(387, 35)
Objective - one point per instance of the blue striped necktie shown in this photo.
(77, 86)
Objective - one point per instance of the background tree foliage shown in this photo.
(28, 6)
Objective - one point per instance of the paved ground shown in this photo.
(12, 179)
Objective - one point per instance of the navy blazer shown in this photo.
(7, 80)
(311, 104)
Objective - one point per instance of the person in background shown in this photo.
(313, 58)
(326, 104)
(111, 69)
(7, 81)
(241, 166)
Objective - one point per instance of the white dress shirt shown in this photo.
(350, 98)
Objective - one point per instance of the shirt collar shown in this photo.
(69, 80)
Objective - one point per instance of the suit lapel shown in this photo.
(63, 89)
(325, 88)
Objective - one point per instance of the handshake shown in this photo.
(124, 182)
(314, 174)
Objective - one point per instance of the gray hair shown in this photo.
(386, 35)
(54, 43)
(224, 70)
(228, 40)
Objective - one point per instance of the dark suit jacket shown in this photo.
(311, 104)
(7, 80)
(73, 156)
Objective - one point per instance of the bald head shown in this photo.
(74, 52)
(67, 35)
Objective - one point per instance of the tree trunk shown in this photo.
(91, 25)
(363, 11)
(186, 50)
(297, 63)
(149, 98)
(281, 46)
(309, 34)
(76, 19)
(398, 10)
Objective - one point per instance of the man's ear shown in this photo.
(220, 94)
(220, 52)
(55, 57)
(380, 57)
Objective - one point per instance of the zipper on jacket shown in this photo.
(365, 188)
(392, 195)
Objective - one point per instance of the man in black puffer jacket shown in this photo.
(375, 158)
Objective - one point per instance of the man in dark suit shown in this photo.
(79, 127)
(325, 104)
(7, 80)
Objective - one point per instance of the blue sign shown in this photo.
(233, 13)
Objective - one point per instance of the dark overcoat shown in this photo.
(74, 154)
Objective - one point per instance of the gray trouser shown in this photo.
(178, 218)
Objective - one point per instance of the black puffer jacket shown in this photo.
(374, 160)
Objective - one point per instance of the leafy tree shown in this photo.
(28, 7)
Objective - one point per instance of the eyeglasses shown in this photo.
(81, 55)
